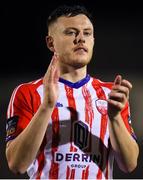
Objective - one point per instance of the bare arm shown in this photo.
(21, 151)
(125, 147)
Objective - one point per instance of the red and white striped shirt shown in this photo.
(76, 144)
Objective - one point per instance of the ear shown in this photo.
(50, 43)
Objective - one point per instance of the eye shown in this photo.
(87, 33)
(71, 33)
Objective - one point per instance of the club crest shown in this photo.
(101, 106)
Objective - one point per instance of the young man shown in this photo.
(69, 125)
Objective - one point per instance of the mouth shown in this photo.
(80, 49)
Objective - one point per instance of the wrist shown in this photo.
(115, 117)
(46, 108)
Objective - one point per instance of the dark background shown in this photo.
(118, 50)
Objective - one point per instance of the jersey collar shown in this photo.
(77, 84)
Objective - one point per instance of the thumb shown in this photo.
(118, 80)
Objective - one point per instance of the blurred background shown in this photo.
(118, 50)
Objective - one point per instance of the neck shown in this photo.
(73, 75)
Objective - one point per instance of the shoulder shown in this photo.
(25, 97)
(29, 86)
(27, 90)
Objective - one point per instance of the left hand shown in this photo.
(118, 96)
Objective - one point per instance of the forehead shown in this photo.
(79, 21)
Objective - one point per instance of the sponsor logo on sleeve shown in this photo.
(11, 125)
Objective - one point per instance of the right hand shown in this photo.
(50, 82)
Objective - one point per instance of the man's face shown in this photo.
(73, 40)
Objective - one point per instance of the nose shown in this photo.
(79, 38)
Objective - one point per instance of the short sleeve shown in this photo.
(20, 111)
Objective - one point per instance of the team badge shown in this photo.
(11, 126)
(101, 106)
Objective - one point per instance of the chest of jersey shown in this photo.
(77, 137)
(79, 124)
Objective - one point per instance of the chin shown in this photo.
(80, 63)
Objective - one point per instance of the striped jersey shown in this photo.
(76, 143)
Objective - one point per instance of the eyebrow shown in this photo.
(86, 29)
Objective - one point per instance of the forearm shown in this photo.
(125, 147)
(22, 151)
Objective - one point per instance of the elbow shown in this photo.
(16, 168)
(134, 161)
(131, 162)
(130, 168)
(14, 161)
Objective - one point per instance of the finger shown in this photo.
(120, 97)
(51, 68)
(115, 103)
(54, 60)
(53, 63)
(126, 84)
(54, 67)
(56, 75)
(118, 80)
(55, 53)
(121, 89)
